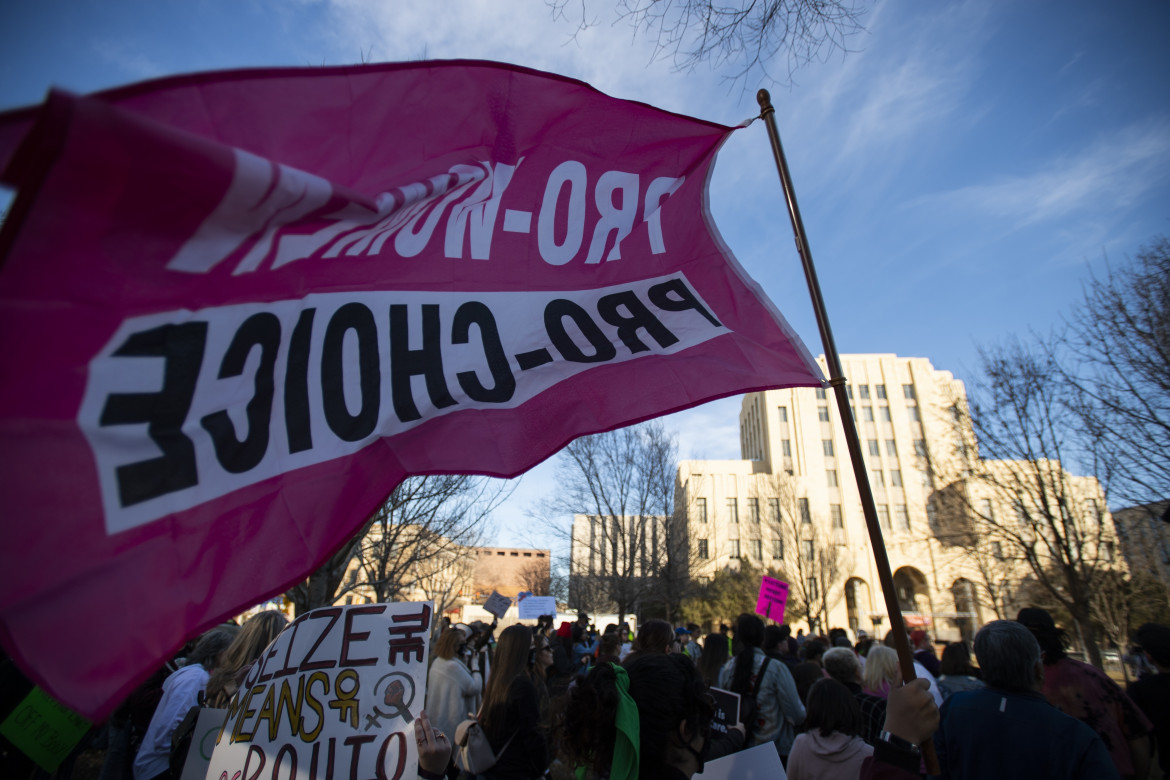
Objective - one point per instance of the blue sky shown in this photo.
(960, 171)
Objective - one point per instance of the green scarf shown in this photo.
(627, 732)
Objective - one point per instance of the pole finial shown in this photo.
(765, 101)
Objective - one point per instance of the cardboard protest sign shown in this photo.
(726, 712)
(761, 762)
(334, 695)
(43, 729)
(532, 607)
(497, 604)
(773, 598)
(207, 728)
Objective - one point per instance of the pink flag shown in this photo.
(237, 308)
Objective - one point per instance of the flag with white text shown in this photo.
(237, 308)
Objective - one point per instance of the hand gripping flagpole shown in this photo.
(837, 382)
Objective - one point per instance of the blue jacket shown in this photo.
(993, 733)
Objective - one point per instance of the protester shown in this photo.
(778, 706)
(434, 746)
(809, 670)
(714, 656)
(1152, 692)
(560, 670)
(452, 690)
(655, 637)
(1007, 729)
(881, 671)
(691, 642)
(584, 650)
(181, 691)
(924, 652)
(919, 671)
(842, 666)
(257, 633)
(511, 716)
(830, 748)
(957, 672)
(609, 649)
(1086, 693)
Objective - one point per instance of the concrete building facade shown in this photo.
(791, 502)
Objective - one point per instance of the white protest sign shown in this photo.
(532, 607)
(207, 727)
(497, 604)
(334, 695)
(761, 762)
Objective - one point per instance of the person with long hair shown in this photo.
(659, 698)
(830, 748)
(510, 715)
(957, 672)
(655, 637)
(778, 709)
(881, 671)
(257, 633)
(712, 659)
(452, 690)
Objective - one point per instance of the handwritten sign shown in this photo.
(497, 604)
(334, 694)
(44, 729)
(773, 598)
(532, 607)
(726, 712)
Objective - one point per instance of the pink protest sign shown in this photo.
(238, 308)
(773, 598)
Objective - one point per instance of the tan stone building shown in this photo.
(792, 504)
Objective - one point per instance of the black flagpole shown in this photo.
(837, 382)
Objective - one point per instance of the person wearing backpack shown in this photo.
(770, 707)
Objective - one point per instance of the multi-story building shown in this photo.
(792, 503)
(1144, 532)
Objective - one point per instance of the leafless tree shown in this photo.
(537, 578)
(424, 520)
(1117, 360)
(623, 483)
(812, 558)
(744, 36)
(1023, 421)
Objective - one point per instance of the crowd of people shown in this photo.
(575, 702)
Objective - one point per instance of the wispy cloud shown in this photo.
(123, 55)
(1111, 174)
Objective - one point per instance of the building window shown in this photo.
(914, 414)
(807, 547)
(754, 510)
(831, 477)
(885, 412)
(774, 509)
(701, 509)
(884, 515)
(823, 413)
(835, 513)
(877, 477)
(849, 391)
(778, 549)
(813, 593)
(1021, 512)
(985, 509)
(757, 549)
(733, 510)
(997, 550)
(920, 448)
(1094, 509)
(1109, 551)
(908, 392)
(881, 391)
(874, 447)
(703, 549)
(821, 393)
(783, 410)
(786, 448)
(891, 448)
(902, 515)
(863, 391)
(735, 548)
(805, 515)
(896, 477)
(827, 447)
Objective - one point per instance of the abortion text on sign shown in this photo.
(333, 696)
